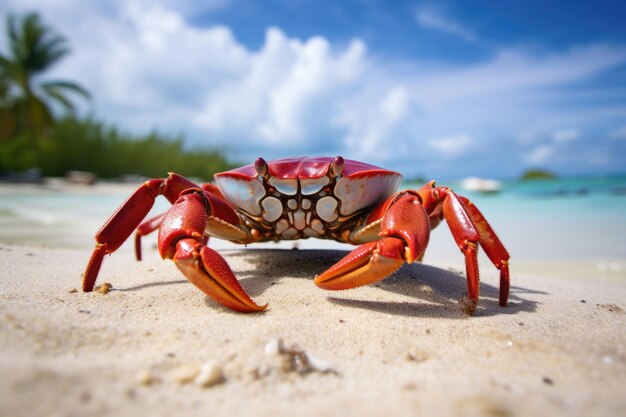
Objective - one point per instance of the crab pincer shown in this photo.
(404, 228)
(181, 239)
(207, 270)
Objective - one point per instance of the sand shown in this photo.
(154, 345)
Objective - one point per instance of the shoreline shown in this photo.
(52, 185)
(399, 347)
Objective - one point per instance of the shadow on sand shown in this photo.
(433, 291)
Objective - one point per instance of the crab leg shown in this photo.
(181, 239)
(466, 237)
(130, 214)
(494, 249)
(117, 229)
(469, 228)
(404, 222)
(146, 228)
(405, 231)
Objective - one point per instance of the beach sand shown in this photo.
(154, 345)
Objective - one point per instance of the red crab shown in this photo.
(295, 198)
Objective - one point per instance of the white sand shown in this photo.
(402, 347)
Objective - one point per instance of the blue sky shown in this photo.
(437, 89)
(389, 27)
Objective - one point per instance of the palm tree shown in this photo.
(33, 49)
(7, 119)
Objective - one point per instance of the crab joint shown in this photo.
(466, 244)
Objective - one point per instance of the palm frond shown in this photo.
(54, 92)
(46, 50)
(34, 48)
(67, 85)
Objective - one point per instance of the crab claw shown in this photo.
(368, 263)
(181, 239)
(208, 271)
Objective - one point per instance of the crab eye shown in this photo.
(261, 167)
(336, 167)
(435, 194)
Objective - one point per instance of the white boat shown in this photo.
(481, 185)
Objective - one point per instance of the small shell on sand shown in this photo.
(104, 288)
(185, 374)
(417, 357)
(293, 358)
(210, 374)
(145, 377)
(274, 347)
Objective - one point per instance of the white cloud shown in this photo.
(430, 18)
(520, 72)
(287, 93)
(394, 106)
(372, 130)
(540, 154)
(451, 146)
(565, 135)
(529, 134)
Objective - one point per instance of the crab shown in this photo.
(296, 198)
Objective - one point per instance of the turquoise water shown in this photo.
(563, 219)
(571, 226)
(569, 219)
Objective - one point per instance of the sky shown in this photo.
(433, 89)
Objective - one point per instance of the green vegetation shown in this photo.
(537, 174)
(31, 136)
(88, 145)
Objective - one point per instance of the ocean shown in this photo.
(571, 228)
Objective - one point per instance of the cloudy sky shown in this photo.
(440, 89)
